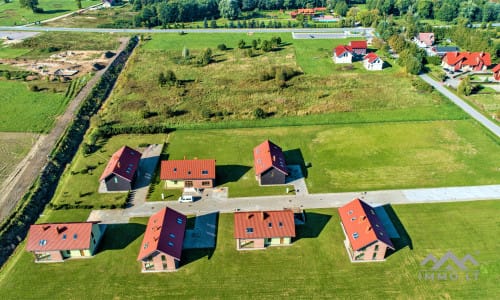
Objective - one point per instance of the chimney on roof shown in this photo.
(45, 227)
(60, 229)
(264, 215)
(249, 216)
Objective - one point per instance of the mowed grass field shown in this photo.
(24, 110)
(314, 266)
(12, 14)
(13, 148)
(230, 89)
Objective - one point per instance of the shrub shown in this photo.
(222, 47)
(206, 113)
(259, 113)
(241, 44)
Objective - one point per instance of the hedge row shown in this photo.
(15, 228)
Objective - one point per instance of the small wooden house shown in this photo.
(119, 174)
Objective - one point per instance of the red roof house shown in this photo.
(269, 163)
(466, 61)
(188, 173)
(496, 72)
(120, 172)
(259, 229)
(56, 242)
(307, 11)
(161, 247)
(373, 62)
(342, 54)
(366, 237)
(358, 47)
(426, 39)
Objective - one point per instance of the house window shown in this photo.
(175, 169)
(163, 258)
(64, 237)
(374, 256)
(270, 225)
(75, 236)
(146, 245)
(205, 183)
(172, 235)
(179, 220)
(189, 172)
(249, 230)
(175, 181)
(170, 244)
(376, 248)
(42, 242)
(353, 218)
(204, 172)
(350, 212)
(115, 179)
(355, 235)
(280, 224)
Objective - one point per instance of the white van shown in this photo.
(186, 198)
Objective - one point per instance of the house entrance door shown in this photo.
(188, 184)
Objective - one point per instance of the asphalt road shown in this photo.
(463, 105)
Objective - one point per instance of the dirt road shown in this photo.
(28, 170)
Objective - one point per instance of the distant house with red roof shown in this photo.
(466, 61)
(56, 242)
(496, 72)
(119, 174)
(269, 163)
(260, 229)
(373, 62)
(307, 11)
(342, 54)
(358, 47)
(188, 173)
(366, 237)
(425, 39)
(161, 247)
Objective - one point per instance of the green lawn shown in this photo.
(25, 110)
(79, 184)
(315, 266)
(12, 14)
(13, 147)
(230, 89)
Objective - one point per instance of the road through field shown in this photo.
(28, 170)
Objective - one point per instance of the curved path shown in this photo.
(463, 105)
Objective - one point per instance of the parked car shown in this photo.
(186, 198)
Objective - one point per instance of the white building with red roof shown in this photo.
(425, 39)
(466, 61)
(366, 236)
(161, 247)
(496, 72)
(56, 242)
(119, 174)
(373, 62)
(342, 54)
(269, 163)
(260, 229)
(188, 173)
(359, 47)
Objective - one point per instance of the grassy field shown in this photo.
(25, 110)
(13, 148)
(12, 14)
(489, 104)
(230, 88)
(315, 266)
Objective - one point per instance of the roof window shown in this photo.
(204, 172)
(64, 236)
(170, 244)
(270, 225)
(172, 235)
(355, 235)
(179, 220)
(350, 212)
(249, 230)
(42, 242)
(75, 236)
(280, 224)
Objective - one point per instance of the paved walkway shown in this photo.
(228, 205)
(463, 105)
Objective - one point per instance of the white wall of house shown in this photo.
(345, 58)
(374, 66)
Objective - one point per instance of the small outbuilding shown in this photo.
(161, 247)
(119, 174)
(269, 163)
(260, 229)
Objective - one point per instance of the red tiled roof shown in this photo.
(371, 57)
(358, 44)
(123, 163)
(361, 225)
(496, 68)
(264, 224)
(452, 58)
(187, 169)
(427, 38)
(268, 155)
(339, 50)
(59, 236)
(165, 233)
(477, 58)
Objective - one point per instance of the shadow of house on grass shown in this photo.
(200, 238)
(313, 226)
(402, 239)
(295, 157)
(119, 236)
(230, 173)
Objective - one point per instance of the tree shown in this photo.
(254, 44)
(79, 4)
(205, 57)
(465, 86)
(397, 42)
(424, 9)
(413, 65)
(241, 44)
(229, 9)
(162, 80)
(259, 113)
(341, 8)
(266, 46)
(31, 4)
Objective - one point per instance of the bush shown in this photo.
(259, 113)
(222, 47)
(241, 44)
(206, 113)
(433, 60)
